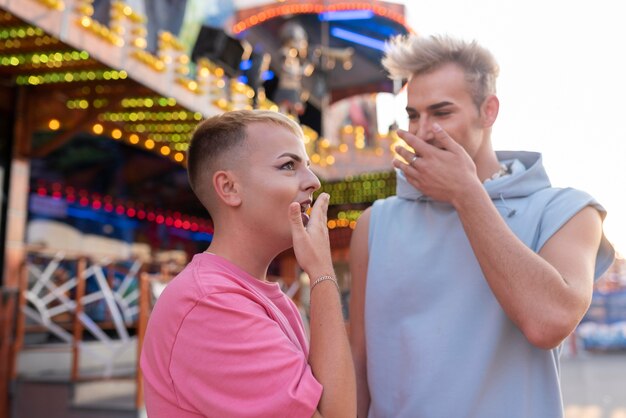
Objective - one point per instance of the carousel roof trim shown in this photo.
(248, 18)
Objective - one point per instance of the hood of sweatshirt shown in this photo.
(527, 176)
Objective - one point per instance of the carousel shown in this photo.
(99, 99)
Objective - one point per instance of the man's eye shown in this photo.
(412, 116)
(440, 114)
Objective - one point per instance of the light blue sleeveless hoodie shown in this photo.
(438, 343)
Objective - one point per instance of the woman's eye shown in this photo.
(288, 166)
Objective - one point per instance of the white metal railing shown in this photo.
(57, 286)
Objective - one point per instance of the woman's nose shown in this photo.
(311, 181)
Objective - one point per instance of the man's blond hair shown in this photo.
(411, 55)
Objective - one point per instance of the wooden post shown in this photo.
(7, 309)
(20, 325)
(16, 217)
(77, 325)
(142, 322)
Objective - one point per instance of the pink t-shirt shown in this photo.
(221, 343)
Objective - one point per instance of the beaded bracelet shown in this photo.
(321, 279)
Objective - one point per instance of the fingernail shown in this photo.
(436, 127)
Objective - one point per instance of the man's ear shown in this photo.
(489, 110)
(226, 187)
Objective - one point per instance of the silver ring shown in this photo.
(415, 157)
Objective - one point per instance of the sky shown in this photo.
(562, 86)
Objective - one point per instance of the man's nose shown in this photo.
(424, 129)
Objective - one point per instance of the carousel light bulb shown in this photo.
(54, 124)
(116, 133)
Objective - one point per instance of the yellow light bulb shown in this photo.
(116, 134)
(54, 124)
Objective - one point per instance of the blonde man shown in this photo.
(468, 280)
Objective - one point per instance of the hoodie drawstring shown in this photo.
(510, 211)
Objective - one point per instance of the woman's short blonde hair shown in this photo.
(219, 134)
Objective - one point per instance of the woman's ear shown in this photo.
(226, 187)
(489, 111)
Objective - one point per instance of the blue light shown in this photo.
(245, 65)
(190, 235)
(358, 38)
(243, 79)
(119, 221)
(346, 15)
(267, 75)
